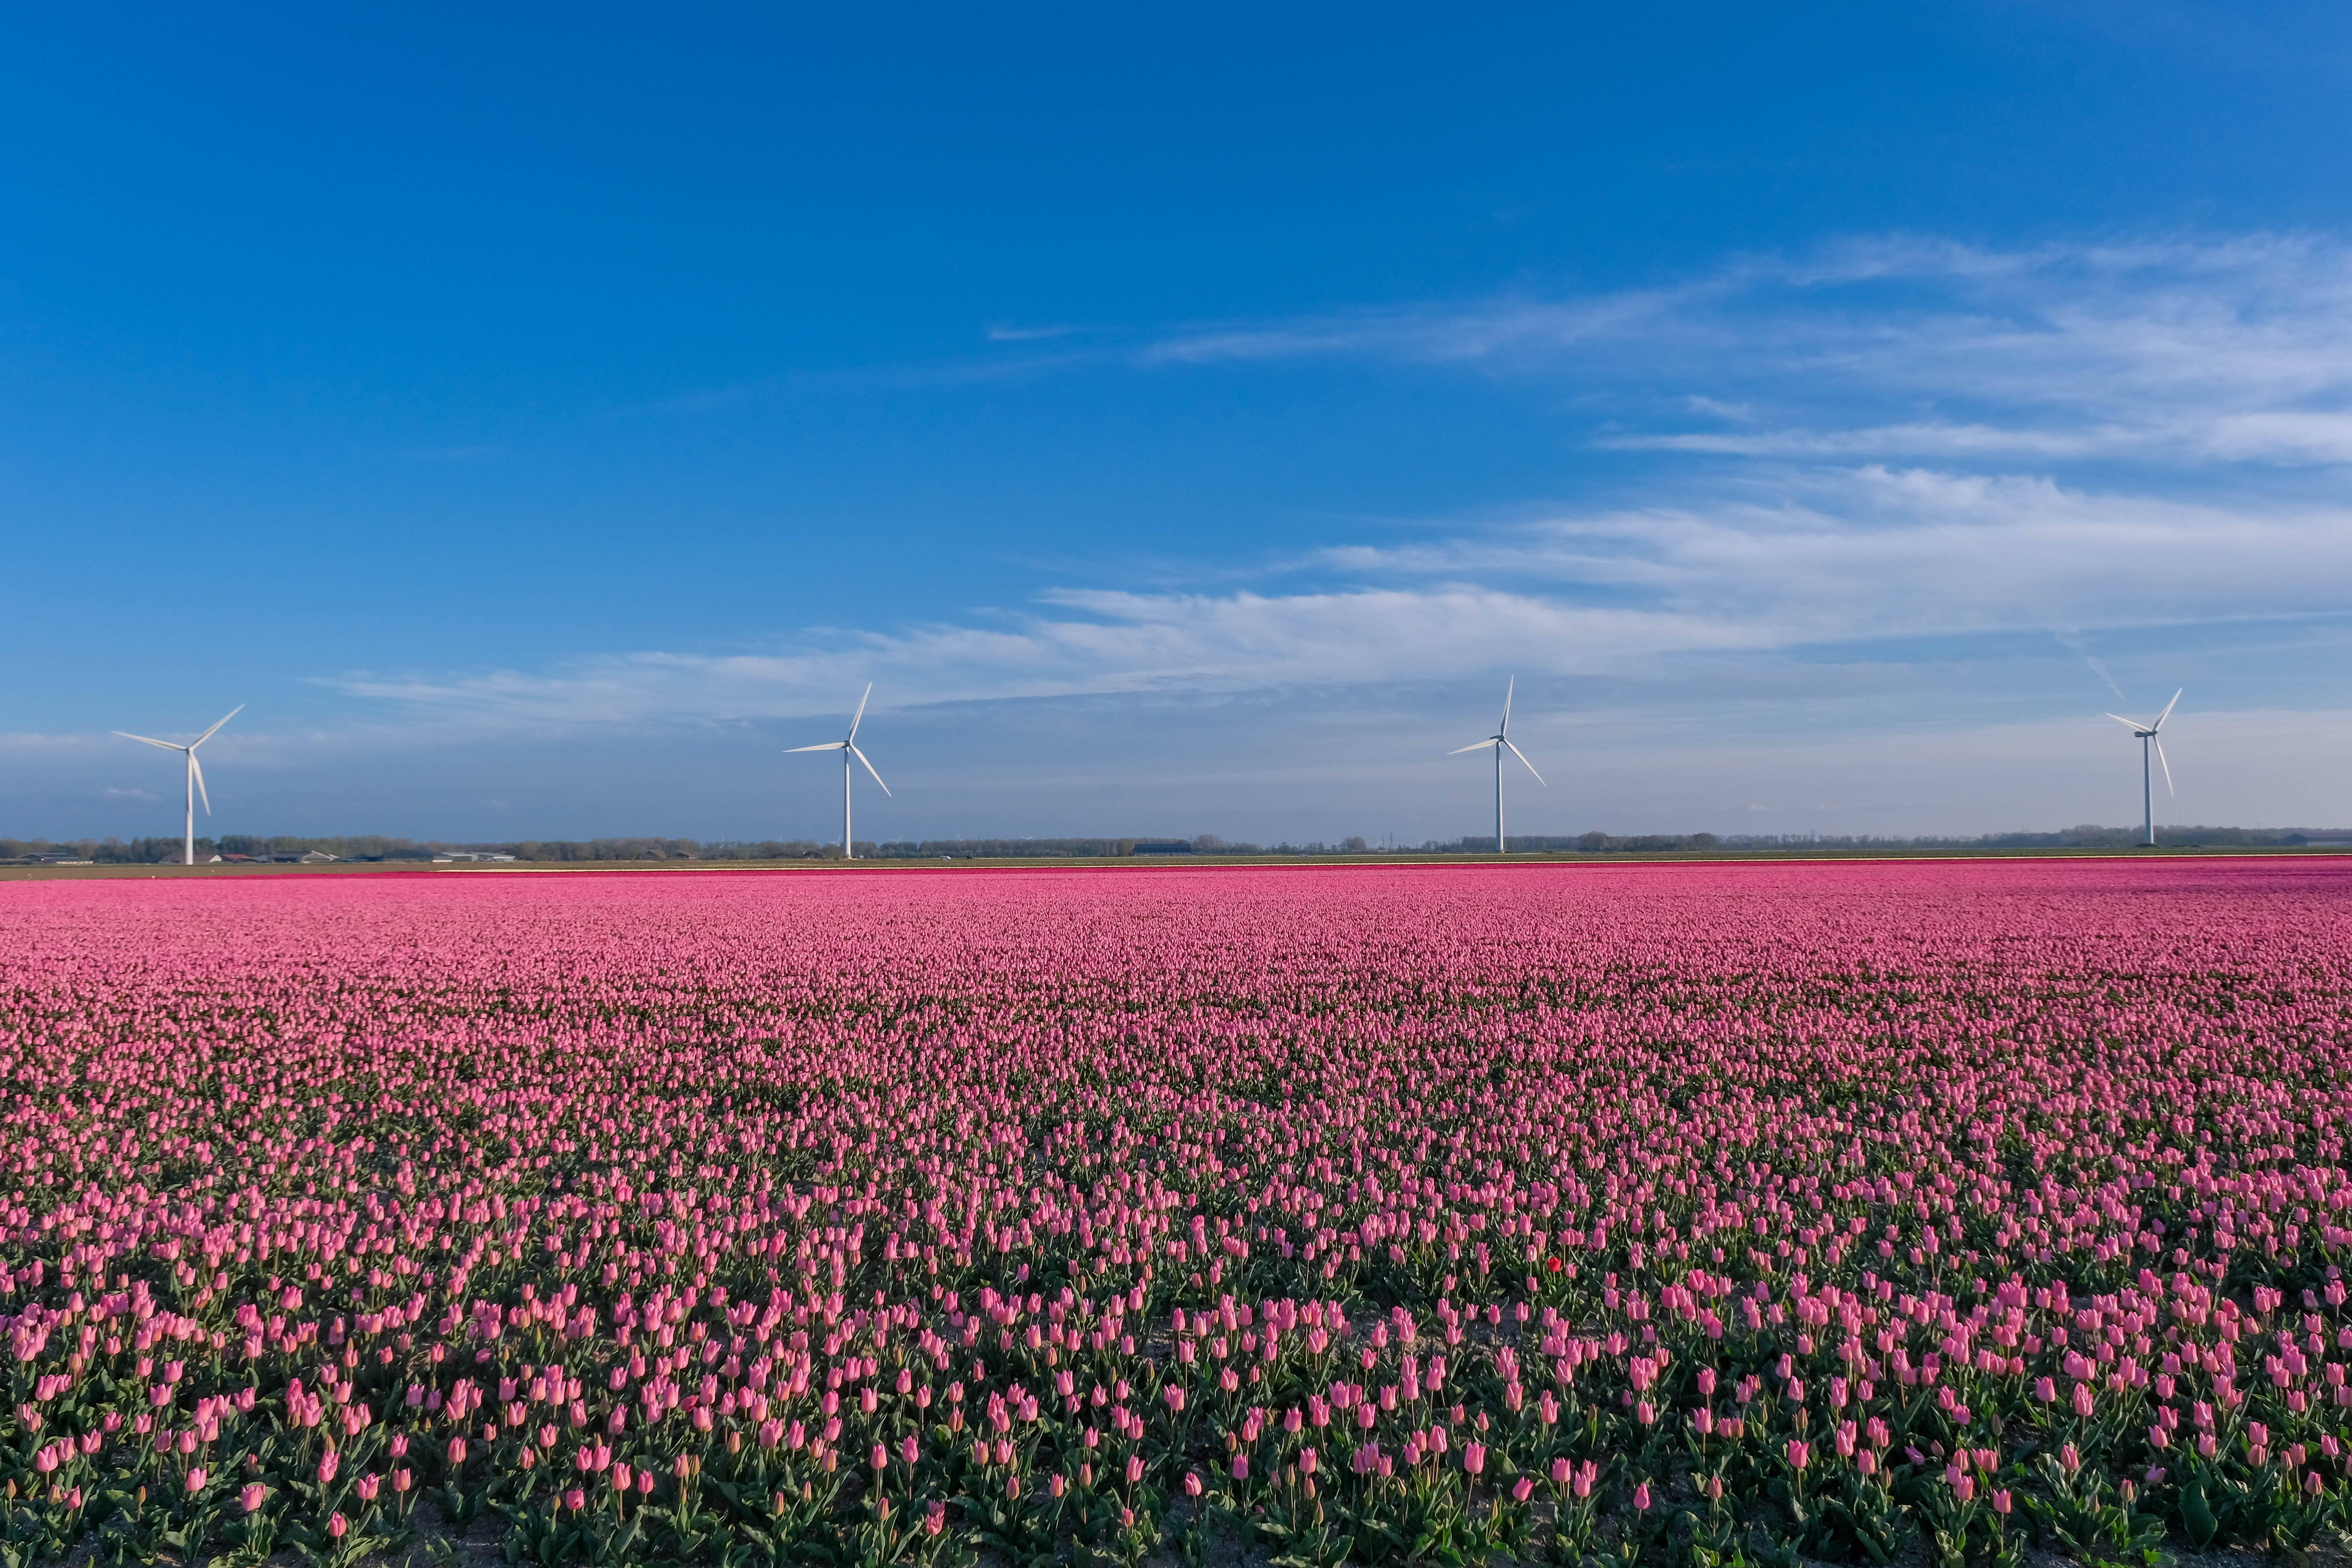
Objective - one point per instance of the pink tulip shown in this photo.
(723, 1145)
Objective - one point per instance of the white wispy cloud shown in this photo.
(2231, 351)
(1499, 329)
(1890, 440)
(1828, 555)
(1807, 559)
(1081, 643)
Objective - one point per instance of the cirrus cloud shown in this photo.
(1898, 438)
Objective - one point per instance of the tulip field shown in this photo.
(1592, 1215)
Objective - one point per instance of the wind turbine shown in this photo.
(195, 774)
(1501, 741)
(2147, 738)
(848, 749)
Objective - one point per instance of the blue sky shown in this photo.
(1187, 419)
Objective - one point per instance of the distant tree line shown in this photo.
(2088, 836)
(1006, 848)
(136, 851)
(375, 847)
(168, 852)
(594, 848)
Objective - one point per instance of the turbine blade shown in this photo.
(2134, 725)
(196, 772)
(827, 746)
(1473, 746)
(215, 728)
(2164, 765)
(165, 744)
(1506, 725)
(869, 768)
(1530, 766)
(2167, 710)
(860, 714)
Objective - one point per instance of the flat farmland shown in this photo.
(1675, 1213)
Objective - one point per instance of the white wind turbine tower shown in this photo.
(848, 749)
(1501, 741)
(195, 774)
(2147, 738)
